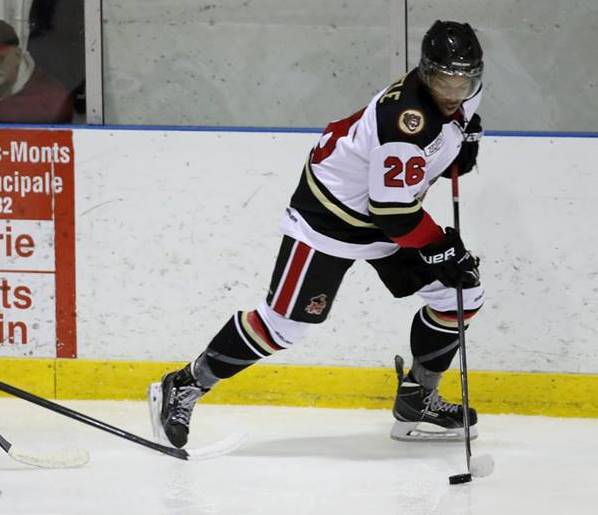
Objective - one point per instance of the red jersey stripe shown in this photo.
(425, 232)
(290, 281)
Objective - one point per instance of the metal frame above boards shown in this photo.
(94, 73)
(399, 56)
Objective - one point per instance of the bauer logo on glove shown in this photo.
(450, 262)
(441, 257)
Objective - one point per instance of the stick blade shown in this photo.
(64, 458)
(459, 479)
(219, 448)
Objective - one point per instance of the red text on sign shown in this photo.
(18, 297)
(15, 245)
(10, 330)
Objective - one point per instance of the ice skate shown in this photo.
(423, 415)
(171, 404)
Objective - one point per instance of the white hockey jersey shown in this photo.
(361, 188)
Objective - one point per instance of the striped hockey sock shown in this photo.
(434, 338)
(243, 341)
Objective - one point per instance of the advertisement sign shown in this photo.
(37, 244)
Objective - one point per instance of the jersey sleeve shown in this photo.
(396, 183)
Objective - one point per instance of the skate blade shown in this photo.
(154, 399)
(416, 431)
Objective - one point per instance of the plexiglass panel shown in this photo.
(243, 63)
(540, 57)
(42, 61)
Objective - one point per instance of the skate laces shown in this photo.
(184, 402)
(434, 402)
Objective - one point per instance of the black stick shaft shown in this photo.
(461, 325)
(90, 421)
(5, 444)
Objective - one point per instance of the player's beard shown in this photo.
(448, 108)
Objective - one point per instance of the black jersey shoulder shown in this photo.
(406, 112)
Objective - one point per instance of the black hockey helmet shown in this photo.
(451, 48)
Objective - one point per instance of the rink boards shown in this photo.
(174, 230)
(562, 395)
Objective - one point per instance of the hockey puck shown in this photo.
(459, 479)
(482, 465)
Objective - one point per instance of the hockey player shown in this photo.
(360, 197)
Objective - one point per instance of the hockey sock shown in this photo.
(243, 341)
(434, 343)
(422, 376)
(188, 376)
(202, 373)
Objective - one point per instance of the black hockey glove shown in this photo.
(468, 154)
(450, 263)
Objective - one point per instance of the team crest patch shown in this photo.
(411, 121)
(317, 304)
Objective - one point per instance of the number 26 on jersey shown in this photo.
(399, 174)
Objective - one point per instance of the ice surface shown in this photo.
(298, 462)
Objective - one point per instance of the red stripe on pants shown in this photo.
(290, 283)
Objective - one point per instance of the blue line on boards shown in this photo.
(287, 130)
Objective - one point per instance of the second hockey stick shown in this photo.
(90, 421)
(64, 458)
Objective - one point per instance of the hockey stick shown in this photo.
(52, 406)
(65, 458)
(461, 478)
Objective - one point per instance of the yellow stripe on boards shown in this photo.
(525, 393)
(34, 375)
